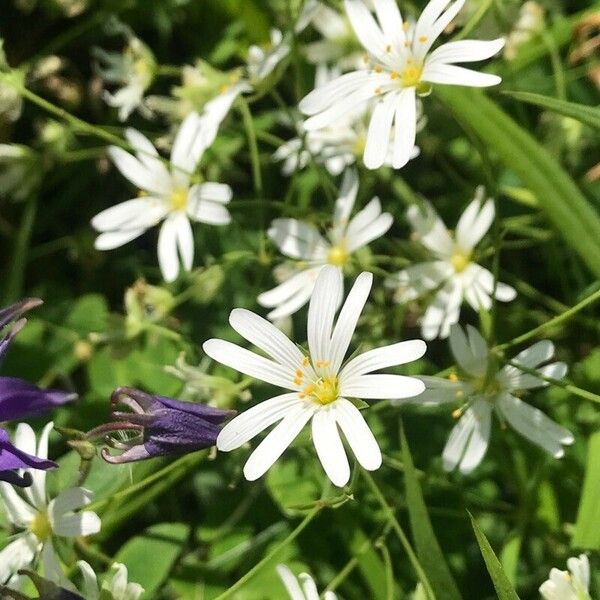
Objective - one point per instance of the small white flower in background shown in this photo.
(39, 520)
(115, 583)
(167, 194)
(337, 145)
(398, 67)
(133, 70)
(483, 388)
(573, 584)
(530, 23)
(262, 60)
(302, 587)
(303, 243)
(452, 276)
(320, 381)
(339, 45)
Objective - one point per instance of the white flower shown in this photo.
(452, 276)
(302, 587)
(303, 242)
(133, 70)
(529, 23)
(483, 388)
(38, 520)
(399, 66)
(337, 145)
(168, 195)
(117, 585)
(319, 381)
(562, 585)
(262, 60)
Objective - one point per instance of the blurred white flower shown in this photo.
(319, 381)
(398, 66)
(133, 70)
(337, 145)
(262, 60)
(529, 23)
(303, 243)
(483, 388)
(39, 520)
(115, 584)
(302, 587)
(11, 103)
(167, 194)
(569, 585)
(452, 276)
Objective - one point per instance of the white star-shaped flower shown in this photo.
(319, 381)
(398, 66)
(115, 584)
(302, 587)
(303, 243)
(483, 388)
(573, 584)
(452, 276)
(39, 520)
(168, 195)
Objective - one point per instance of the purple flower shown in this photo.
(161, 426)
(11, 458)
(20, 399)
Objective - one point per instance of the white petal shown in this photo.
(416, 280)
(438, 391)
(185, 242)
(443, 311)
(289, 288)
(266, 336)
(381, 358)
(138, 174)
(363, 23)
(580, 570)
(372, 231)
(216, 109)
(77, 524)
(358, 435)
(430, 229)
(381, 387)
(504, 292)
(346, 199)
(292, 304)
(147, 153)
(309, 586)
(297, 239)
(453, 75)
(168, 258)
(390, 21)
(405, 128)
(211, 213)
(465, 51)
(273, 446)
(51, 565)
(535, 355)
(324, 96)
(321, 312)
(474, 223)
(458, 440)
(115, 239)
(534, 425)
(253, 421)
(329, 447)
(19, 512)
(68, 501)
(37, 491)
(379, 132)
(249, 363)
(515, 379)
(471, 354)
(90, 581)
(183, 160)
(432, 23)
(215, 192)
(348, 318)
(139, 213)
(477, 445)
(17, 555)
(291, 583)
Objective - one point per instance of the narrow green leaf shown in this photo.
(503, 586)
(150, 557)
(573, 217)
(588, 115)
(428, 550)
(587, 532)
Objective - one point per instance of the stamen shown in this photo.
(423, 39)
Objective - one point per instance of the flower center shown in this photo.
(410, 76)
(460, 260)
(359, 144)
(324, 391)
(179, 199)
(40, 526)
(338, 256)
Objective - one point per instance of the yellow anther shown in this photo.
(366, 59)
(378, 91)
(322, 364)
(453, 377)
(406, 25)
(377, 69)
(306, 361)
(309, 389)
(423, 38)
(388, 48)
(299, 373)
(456, 413)
(142, 193)
(223, 88)
(394, 75)
(407, 44)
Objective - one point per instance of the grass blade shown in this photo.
(587, 532)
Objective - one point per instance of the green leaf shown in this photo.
(588, 115)
(587, 532)
(572, 215)
(150, 557)
(428, 550)
(502, 584)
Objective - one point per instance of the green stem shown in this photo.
(275, 552)
(474, 20)
(552, 322)
(16, 276)
(412, 557)
(252, 145)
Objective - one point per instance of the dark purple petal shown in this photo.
(208, 413)
(14, 311)
(12, 458)
(20, 399)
